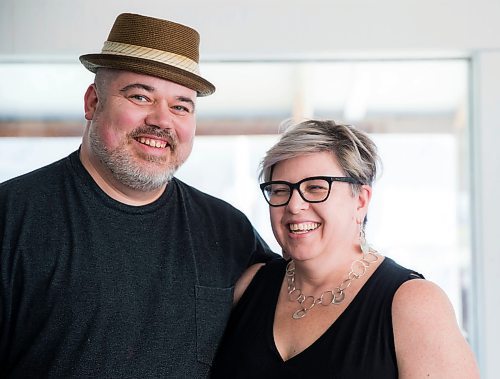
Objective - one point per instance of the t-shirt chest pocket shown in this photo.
(213, 306)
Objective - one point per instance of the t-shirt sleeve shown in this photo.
(262, 253)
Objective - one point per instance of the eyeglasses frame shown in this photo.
(296, 186)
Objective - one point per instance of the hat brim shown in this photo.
(144, 66)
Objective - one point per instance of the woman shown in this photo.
(336, 308)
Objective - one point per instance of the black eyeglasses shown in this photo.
(315, 189)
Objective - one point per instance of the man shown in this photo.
(110, 266)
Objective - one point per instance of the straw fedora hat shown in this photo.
(155, 47)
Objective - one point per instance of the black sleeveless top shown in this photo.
(359, 344)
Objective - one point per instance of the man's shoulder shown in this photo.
(203, 199)
(35, 180)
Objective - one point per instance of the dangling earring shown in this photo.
(365, 247)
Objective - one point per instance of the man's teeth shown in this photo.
(303, 227)
(152, 142)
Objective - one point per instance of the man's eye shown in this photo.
(140, 98)
(181, 108)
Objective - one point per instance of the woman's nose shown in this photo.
(296, 203)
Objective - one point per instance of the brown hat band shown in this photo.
(172, 59)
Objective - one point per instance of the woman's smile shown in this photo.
(303, 227)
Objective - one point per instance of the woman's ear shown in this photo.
(364, 196)
(90, 102)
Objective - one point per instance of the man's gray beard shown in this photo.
(124, 169)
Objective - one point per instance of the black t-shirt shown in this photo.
(358, 345)
(91, 287)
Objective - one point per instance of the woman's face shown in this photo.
(307, 230)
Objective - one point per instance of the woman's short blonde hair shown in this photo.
(355, 152)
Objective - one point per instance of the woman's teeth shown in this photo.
(303, 227)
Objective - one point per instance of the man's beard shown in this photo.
(124, 166)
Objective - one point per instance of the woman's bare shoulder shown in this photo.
(244, 281)
(429, 342)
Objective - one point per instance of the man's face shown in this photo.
(141, 128)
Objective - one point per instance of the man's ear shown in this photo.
(364, 196)
(90, 102)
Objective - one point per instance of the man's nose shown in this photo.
(160, 115)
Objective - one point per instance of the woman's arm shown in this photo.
(429, 343)
(244, 281)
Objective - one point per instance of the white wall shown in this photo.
(486, 187)
(268, 29)
(264, 28)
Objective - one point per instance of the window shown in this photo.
(416, 111)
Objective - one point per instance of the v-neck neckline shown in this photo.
(328, 331)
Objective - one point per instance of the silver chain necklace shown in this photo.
(335, 296)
